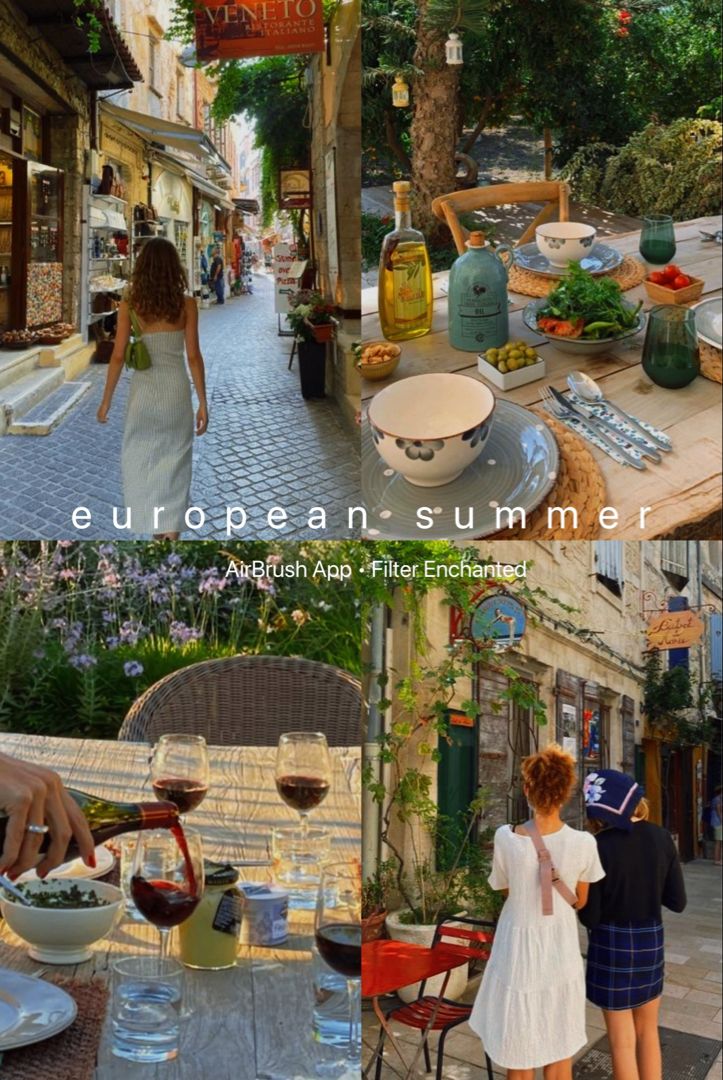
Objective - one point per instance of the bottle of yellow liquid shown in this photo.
(405, 277)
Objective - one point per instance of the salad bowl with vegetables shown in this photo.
(584, 314)
(65, 917)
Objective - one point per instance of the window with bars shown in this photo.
(674, 558)
(609, 565)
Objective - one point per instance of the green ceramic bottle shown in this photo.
(477, 298)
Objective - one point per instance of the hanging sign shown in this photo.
(258, 28)
(675, 630)
(498, 619)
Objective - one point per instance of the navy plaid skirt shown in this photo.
(625, 964)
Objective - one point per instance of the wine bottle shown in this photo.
(107, 819)
(405, 277)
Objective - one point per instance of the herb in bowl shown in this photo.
(58, 898)
(583, 306)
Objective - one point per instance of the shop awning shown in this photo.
(201, 183)
(166, 132)
(247, 206)
(112, 67)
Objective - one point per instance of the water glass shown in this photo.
(657, 239)
(299, 856)
(127, 845)
(670, 350)
(147, 997)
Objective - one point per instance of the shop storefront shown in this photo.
(172, 200)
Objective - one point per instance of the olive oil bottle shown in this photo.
(405, 277)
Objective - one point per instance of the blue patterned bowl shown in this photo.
(430, 428)
(565, 241)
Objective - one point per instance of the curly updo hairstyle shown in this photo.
(549, 778)
(159, 284)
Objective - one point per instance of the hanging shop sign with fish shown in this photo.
(499, 620)
(258, 28)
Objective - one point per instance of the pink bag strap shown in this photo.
(549, 877)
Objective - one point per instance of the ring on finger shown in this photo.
(38, 830)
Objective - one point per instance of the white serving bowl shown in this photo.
(564, 241)
(430, 428)
(63, 936)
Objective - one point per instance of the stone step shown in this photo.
(21, 395)
(14, 365)
(48, 413)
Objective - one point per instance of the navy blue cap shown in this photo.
(612, 797)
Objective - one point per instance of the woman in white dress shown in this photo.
(157, 452)
(530, 1009)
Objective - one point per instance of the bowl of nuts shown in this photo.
(377, 359)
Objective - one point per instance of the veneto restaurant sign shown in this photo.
(675, 630)
(258, 28)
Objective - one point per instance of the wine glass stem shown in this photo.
(354, 987)
(165, 940)
(304, 823)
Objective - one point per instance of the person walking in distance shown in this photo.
(216, 275)
(156, 457)
(625, 955)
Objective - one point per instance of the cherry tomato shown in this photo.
(672, 271)
(682, 281)
(658, 278)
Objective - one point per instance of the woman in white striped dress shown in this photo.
(157, 452)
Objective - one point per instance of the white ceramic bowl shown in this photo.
(63, 936)
(564, 241)
(430, 428)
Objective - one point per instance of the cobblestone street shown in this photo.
(691, 998)
(265, 447)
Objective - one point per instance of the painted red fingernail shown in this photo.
(92, 861)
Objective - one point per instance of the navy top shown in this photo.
(642, 874)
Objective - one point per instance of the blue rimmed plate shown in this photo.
(601, 260)
(517, 468)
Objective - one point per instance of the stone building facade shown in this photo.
(583, 652)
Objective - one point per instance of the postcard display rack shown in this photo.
(107, 254)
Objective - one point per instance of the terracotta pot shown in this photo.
(322, 332)
(373, 926)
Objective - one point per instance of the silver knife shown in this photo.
(591, 424)
(587, 425)
(593, 419)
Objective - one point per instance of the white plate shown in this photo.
(31, 1010)
(709, 321)
(104, 858)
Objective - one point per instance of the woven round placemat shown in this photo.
(579, 483)
(629, 274)
(710, 362)
(72, 1054)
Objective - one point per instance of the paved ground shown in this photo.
(691, 999)
(265, 445)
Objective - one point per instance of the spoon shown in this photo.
(9, 887)
(586, 388)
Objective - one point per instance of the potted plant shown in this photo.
(375, 892)
(312, 322)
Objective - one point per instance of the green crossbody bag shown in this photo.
(137, 355)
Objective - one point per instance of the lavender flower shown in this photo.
(133, 669)
(82, 661)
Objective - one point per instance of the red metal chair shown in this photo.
(449, 1014)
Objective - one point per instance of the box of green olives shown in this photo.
(512, 365)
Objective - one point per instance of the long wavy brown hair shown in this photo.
(159, 283)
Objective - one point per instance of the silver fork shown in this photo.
(556, 408)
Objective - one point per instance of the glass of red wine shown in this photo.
(303, 771)
(167, 879)
(337, 932)
(179, 770)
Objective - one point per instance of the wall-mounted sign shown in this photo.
(294, 189)
(675, 630)
(568, 723)
(258, 28)
(460, 719)
(500, 620)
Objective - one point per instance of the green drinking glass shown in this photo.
(670, 349)
(657, 239)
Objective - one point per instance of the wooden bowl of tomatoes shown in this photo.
(673, 286)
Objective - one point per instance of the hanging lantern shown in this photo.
(453, 49)
(400, 92)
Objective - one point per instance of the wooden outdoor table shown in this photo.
(251, 1021)
(685, 488)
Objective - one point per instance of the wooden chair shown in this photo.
(249, 701)
(554, 194)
